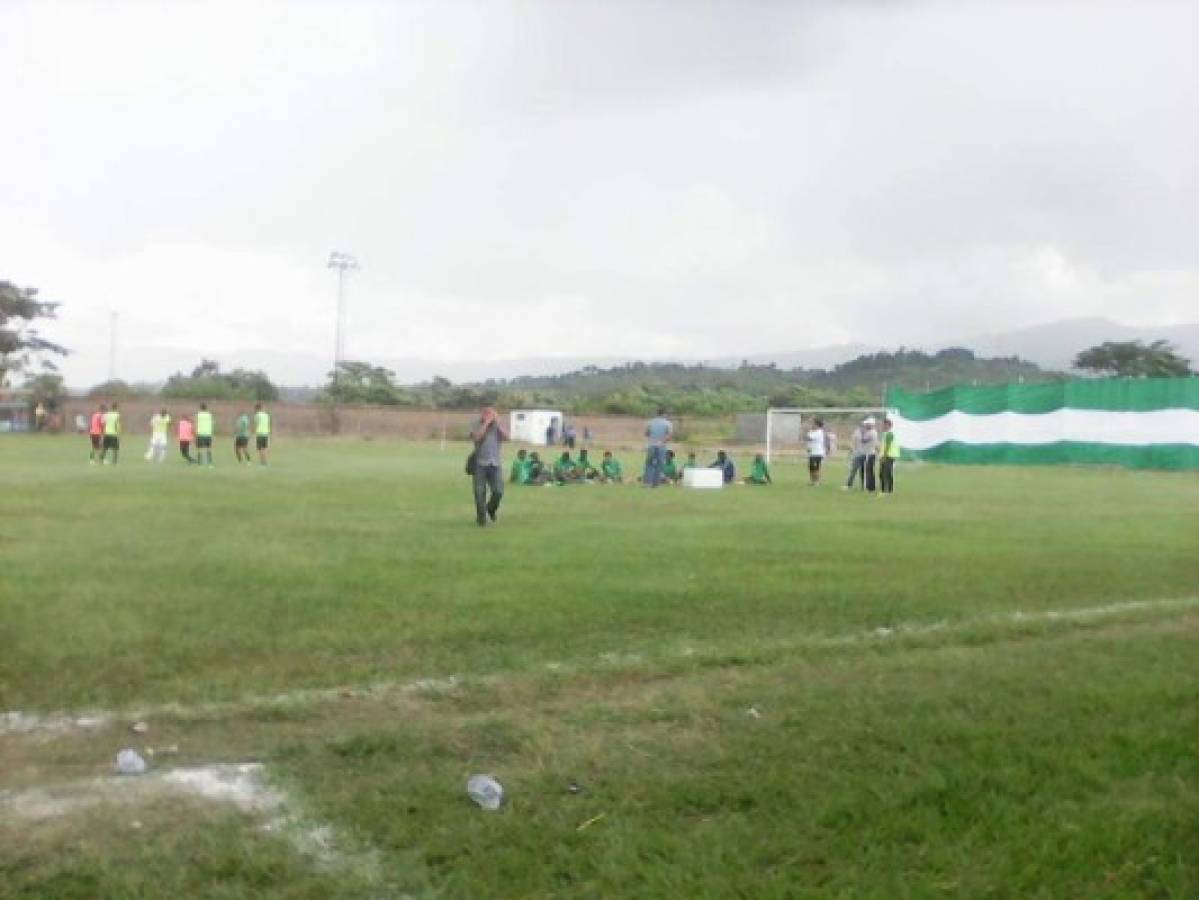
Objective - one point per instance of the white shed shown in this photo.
(532, 425)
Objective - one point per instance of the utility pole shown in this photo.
(344, 263)
(112, 346)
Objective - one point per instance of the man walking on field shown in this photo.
(488, 434)
(95, 433)
(262, 432)
(658, 431)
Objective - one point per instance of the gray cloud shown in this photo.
(598, 178)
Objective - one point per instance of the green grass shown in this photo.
(617, 638)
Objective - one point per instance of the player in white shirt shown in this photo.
(160, 424)
(817, 450)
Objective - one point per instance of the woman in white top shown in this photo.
(817, 449)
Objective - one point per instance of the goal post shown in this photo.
(787, 426)
(784, 430)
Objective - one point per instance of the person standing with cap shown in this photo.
(865, 451)
(488, 474)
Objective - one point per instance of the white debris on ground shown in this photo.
(241, 785)
(130, 762)
(18, 722)
(238, 783)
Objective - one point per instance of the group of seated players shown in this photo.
(529, 469)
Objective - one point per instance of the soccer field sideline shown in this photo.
(21, 722)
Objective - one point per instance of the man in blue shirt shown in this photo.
(488, 434)
(658, 431)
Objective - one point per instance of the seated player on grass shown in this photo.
(670, 469)
(539, 472)
(725, 463)
(586, 469)
(565, 471)
(611, 471)
(691, 463)
(519, 472)
(759, 473)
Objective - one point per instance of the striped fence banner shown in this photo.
(1143, 423)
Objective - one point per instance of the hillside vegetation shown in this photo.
(638, 388)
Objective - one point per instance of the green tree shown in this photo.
(46, 388)
(361, 383)
(20, 341)
(208, 382)
(115, 388)
(1134, 359)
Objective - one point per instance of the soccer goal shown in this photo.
(787, 428)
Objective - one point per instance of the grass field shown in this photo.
(986, 685)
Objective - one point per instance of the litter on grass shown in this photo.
(130, 762)
(486, 791)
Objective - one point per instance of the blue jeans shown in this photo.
(488, 478)
(655, 462)
(863, 466)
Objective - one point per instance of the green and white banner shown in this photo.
(1150, 423)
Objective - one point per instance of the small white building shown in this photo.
(532, 426)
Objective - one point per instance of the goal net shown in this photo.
(787, 429)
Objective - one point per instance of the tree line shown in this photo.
(636, 388)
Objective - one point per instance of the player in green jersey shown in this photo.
(241, 439)
(204, 431)
(262, 432)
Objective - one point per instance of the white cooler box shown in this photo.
(703, 478)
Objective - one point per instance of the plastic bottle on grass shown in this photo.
(130, 762)
(485, 791)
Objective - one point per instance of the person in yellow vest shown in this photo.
(204, 431)
(889, 452)
(112, 436)
(262, 432)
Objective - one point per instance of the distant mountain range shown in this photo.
(1051, 346)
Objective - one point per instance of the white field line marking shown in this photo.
(22, 723)
(241, 785)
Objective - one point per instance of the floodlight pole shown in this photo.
(344, 263)
(112, 346)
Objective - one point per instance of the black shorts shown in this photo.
(204, 442)
(262, 441)
(111, 442)
(814, 463)
(241, 441)
(95, 441)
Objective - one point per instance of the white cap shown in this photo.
(869, 420)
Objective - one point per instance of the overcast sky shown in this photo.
(611, 179)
